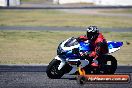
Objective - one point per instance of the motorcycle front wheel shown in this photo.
(52, 70)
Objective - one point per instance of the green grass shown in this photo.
(58, 18)
(39, 47)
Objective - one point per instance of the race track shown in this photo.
(19, 77)
(46, 28)
(40, 80)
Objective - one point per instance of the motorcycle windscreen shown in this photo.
(71, 42)
(114, 46)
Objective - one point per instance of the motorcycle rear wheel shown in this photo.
(109, 69)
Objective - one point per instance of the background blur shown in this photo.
(30, 30)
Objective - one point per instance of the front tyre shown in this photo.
(52, 70)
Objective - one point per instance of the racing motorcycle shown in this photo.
(68, 59)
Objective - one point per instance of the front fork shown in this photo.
(62, 62)
(61, 65)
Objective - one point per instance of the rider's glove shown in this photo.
(83, 54)
(82, 38)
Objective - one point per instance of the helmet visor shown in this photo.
(90, 35)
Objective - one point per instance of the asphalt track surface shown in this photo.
(24, 76)
(63, 29)
(66, 7)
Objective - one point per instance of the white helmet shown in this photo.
(92, 29)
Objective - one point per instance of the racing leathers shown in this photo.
(98, 45)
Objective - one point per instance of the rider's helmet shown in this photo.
(92, 32)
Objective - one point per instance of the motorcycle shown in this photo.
(68, 59)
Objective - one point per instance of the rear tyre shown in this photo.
(52, 70)
(109, 68)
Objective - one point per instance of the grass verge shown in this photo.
(118, 11)
(58, 18)
(39, 47)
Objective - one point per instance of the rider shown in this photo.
(98, 44)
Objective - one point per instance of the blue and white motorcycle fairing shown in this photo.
(82, 46)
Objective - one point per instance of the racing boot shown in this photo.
(94, 63)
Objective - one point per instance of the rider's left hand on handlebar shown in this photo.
(83, 54)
